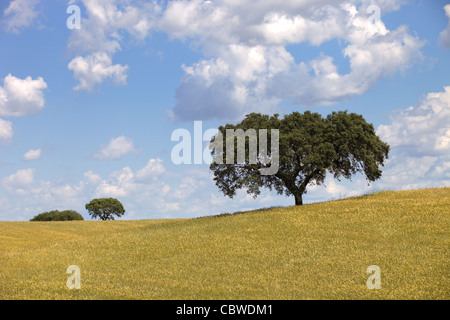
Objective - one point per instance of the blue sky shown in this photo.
(89, 112)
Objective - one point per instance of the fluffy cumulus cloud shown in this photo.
(247, 66)
(420, 140)
(126, 182)
(20, 14)
(424, 128)
(19, 182)
(116, 149)
(107, 22)
(152, 170)
(187, 187)
(144, 188)
(6, 131)
(33, 154)
(444, 36)
(21, 97)
(94, 69)
(103, 30)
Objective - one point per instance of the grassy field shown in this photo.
(317, 251)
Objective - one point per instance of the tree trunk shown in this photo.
(298, 199)
(296, 190)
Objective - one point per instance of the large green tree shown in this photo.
(309, 146)
(105, 208)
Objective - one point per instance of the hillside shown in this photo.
(316, 251)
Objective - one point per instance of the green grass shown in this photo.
(316, 251)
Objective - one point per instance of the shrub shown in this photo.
(55, 215)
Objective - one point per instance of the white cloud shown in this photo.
(168, 206)
(335, 189)
(92, 178)
(101, 35)
(250, 69)
(246, 65)
(186, 188)
(94, 69)
(242, 21)
(33, 154)
(370, 59)
(117, 148)
(409, 171)
(108, 21)
(21, 97)
(424, 129)
(144, 184)
(444, 36)
(442, 171)
(224, 87)
(41, 195)
(6, 131)
(119, 188)
(19, 182)
(419, 137)
(217, 201)
(152, 170)
(20, 14)
(67, 191)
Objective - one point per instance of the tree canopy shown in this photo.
(55, 215)
(105, 208)
(308, 147)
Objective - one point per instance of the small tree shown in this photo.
(105, 208)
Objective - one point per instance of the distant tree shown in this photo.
(309, 147)
(55, 215)
(105, 208)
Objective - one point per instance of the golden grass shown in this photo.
(317, 251)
